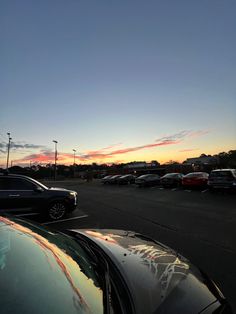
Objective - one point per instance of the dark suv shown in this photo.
(222, 179)
(19, 193)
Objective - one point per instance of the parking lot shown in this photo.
(198, 224)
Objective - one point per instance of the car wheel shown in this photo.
(57, 210)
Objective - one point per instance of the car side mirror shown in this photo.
(38, 189)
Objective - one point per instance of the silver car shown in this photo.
(148, 180)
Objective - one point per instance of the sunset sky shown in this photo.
(117, 80)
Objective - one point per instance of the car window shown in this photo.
(154, 175)
(4, 184)
(20, 184)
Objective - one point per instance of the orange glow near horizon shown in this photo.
(148, 156)
(176, 147)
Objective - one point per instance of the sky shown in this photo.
(118, 81)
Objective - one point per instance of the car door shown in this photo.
(4, 192)
(21, 194)
(9, 195)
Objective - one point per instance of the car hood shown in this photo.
(59, 189)
(159, 279)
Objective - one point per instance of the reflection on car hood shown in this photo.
(158, 278)
(59, 189)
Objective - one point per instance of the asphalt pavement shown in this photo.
(198, 224)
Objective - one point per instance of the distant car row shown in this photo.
(220, 178)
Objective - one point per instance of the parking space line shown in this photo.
(62, 220)
(174, 189)
(188, 191)
(28, 214)
(204, 191)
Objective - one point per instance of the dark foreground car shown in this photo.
(21, 193)
(97, 271)
(148, 180)
(222, 179)
(172, 179)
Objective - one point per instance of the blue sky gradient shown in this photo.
(95, 73)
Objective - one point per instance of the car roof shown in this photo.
(126, 175)
(149, 174)
(199, 172)
(218, 170)
(172, 173)
(10, 175)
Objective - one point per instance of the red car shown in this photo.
(197, 179)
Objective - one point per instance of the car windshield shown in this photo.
(106, 177)
(144, 176)
(221, 174)
(195, 175)
(55, 271)
(171, 175)
(39, 183)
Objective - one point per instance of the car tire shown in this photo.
(57, 210)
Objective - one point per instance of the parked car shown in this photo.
(105, 180)
(22, 193)
(222, 179)
(126, 179)
(195, 179)
(148, 180)
(114, 179)
(98, 271)
(172, 179)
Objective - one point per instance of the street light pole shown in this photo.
(8, 148)
(55, 162)
(74, 150)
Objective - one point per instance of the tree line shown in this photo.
(223, 160)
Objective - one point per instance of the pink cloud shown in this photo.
(111, 146)
(198, 133)
(47, 156)
(99, 154)
(188, 150)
